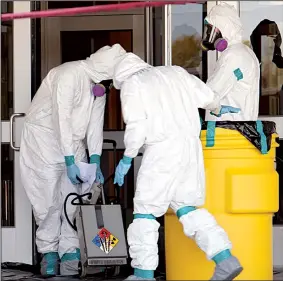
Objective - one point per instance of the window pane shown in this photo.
(187, 28)
(187, 25)
(6, 63)
(263, 23)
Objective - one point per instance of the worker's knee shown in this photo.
(184, 210)
(195, 220)
(143, 227)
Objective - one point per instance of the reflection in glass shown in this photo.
(6, 63)
(263, 22)
(187, 29)
(7, 189)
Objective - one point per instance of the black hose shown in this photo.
(78, 197)
(89, 195)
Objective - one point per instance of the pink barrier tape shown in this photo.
(91, 9)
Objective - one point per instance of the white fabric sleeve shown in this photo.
(205, 98)
(63, 94)
(135, 118)
(95, 126)
(223, 78)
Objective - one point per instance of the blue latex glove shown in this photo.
(99, 175)
(73, 171)
(95, 159)
(122, 169)
(226, 109)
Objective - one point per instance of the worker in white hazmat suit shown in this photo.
(160, 109)
(67, 108)
(236, 75)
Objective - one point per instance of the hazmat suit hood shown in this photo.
(226, 19)
(100, 65)
(127, 66)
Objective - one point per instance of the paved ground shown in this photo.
(18, 272)
(17, 275)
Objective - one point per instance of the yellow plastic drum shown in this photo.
(242, 193)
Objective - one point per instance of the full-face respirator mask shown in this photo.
(212, 39)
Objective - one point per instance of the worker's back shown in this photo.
(167, 95)
(170, 103)
(69, 86)
(41, 108)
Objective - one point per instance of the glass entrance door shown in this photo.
(16, 97)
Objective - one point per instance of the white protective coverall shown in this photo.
(236, 75)
(62, 113)
(160, 109)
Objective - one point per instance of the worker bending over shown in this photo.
(67, 108)
(160, 109)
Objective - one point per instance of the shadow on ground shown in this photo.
(18, 275)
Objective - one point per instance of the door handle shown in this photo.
(13, 116)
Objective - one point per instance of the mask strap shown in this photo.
(212, 33)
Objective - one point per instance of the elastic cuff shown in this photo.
(94, 159)
(145, 274)
(184, 210)
(71, 256)
(127, 160)
(69, 160)
(51, 256)
(144, 216)
(222, 256)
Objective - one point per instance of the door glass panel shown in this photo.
(263, 24)
(7, 188)
(187, 25)
(6, 63)
(87, 42)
